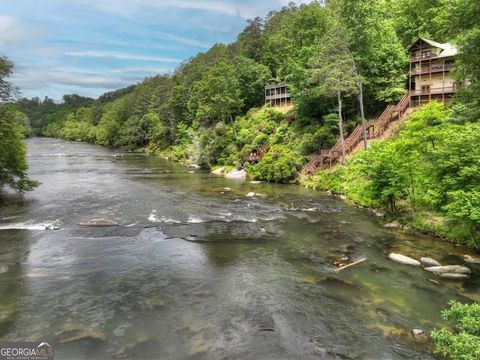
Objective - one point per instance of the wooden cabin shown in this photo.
(431, 65)
(277, 94)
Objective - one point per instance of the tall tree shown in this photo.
(217, 96)
(378, 52)
(331, 73)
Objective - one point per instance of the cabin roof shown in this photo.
(447, 48)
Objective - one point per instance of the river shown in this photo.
(198, 270)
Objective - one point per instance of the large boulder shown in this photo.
(453, 269)
(471, 259)
(402, 259)
(427, 262)
(237, 174)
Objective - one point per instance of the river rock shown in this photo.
(236, 174)
(427, 262)
(420, 335)
(471, 259)
(227, 189)
(99, 222)
(193, 166)
(454, 276)
(251, 194)
(255, 182)
(393, 225)
(218, 171)
(343, 197)
(402, 259)
(454, 269)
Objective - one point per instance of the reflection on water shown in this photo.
(198, 270)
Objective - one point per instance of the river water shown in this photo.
(197, 271)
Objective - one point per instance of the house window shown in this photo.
(426, 54)
(425, 89)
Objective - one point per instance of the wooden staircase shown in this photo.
(257, 155)
(375, 129)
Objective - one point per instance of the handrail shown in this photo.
(391, 113)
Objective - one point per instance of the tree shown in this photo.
(331, 73)
(375, 46)
(13, 164)
(217, 96)
(464, 344)
(7, 91)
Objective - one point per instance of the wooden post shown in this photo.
(430, 82)
(443, 80)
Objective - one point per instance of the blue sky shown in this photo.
(92, 46)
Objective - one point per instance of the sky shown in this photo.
(88, 47)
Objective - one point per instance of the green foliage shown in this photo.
(13, 163)
(13, 127)
(278, 165)
(464, 343)
(217, 95)
(431, 169)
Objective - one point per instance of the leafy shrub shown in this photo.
(278, 165)
(464, 343)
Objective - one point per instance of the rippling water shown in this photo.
(197, 270)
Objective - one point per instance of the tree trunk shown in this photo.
(362, 114)
(340, 126)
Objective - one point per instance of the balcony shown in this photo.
(434, 69)
(435, 91)
(278, 96)
(422, 57)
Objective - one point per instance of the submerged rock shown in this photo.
(453, 269)
(236, 174)
(454, 276)
(471, 259)
(100, 222)
(426, 261)
(393, 225)
(402, 259)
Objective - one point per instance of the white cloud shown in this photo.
(30, 79)
(116, 55)
(14, 33)
(182, 40)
